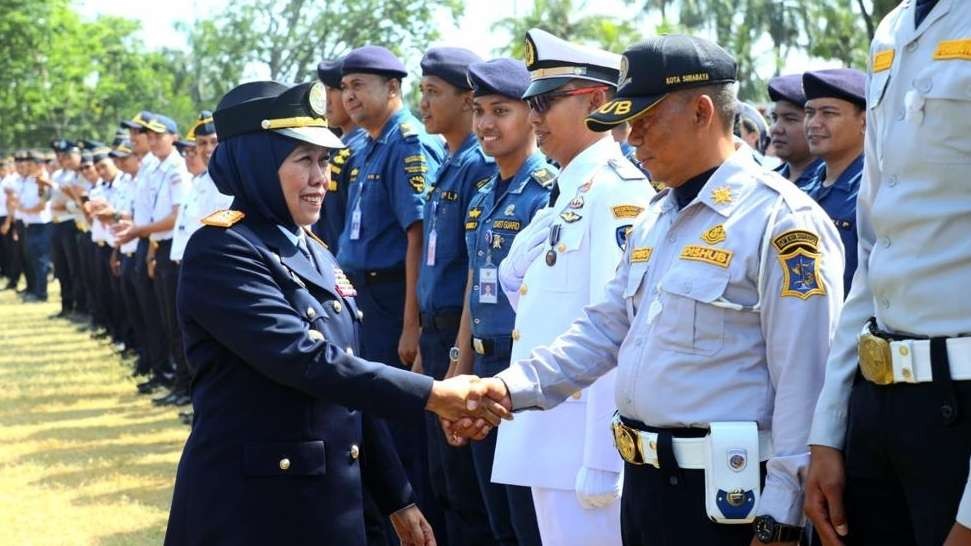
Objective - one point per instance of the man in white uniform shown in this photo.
(572, 468)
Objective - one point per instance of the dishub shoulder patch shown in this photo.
(223, 218)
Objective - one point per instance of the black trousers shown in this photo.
(133, 312)
(86, 292)
(451, 469)
(63, 239)
(15, 253)
(166, 289)
(4, 249)
(907, 452)
(155, 341)
(77, 275)
(106, 294)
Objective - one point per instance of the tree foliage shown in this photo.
(557, 17)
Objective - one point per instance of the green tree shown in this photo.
(291, 36)
(67, 77)
(556, 17)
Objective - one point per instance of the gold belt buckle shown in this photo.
(477, 345)
(876, 361)
(625, 440)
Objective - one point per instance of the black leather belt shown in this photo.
(442, 320)
(380, 276)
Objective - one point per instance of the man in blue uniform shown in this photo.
(835, 124)
(497, 214)
(380, 247)
(333, 216)
(788, 132)
(446, 108)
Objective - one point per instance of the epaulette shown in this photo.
(407, 130)
(543, 176)
(625, 170)
(223, 218)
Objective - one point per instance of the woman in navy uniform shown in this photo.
(280, 450)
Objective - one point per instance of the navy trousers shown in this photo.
(155, 341)
(451, 469)
(510, 507)
(37, 254)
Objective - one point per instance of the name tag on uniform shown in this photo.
(953, 49)
(432, 247)
(488, 285)
(356, 224)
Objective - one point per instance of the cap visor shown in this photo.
(538, 87)
(320, 136)
(130, 125)
(620, 110)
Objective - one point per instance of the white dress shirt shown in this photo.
(170, 181)
(202, 200)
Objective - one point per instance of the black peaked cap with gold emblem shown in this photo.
(295, 112)
(552, 62)
(657, 66)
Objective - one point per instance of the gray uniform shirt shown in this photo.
(721, 311)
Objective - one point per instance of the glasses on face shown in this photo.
(542, 103)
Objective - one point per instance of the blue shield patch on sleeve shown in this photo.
(622, 233)
(800, 274)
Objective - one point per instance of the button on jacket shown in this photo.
(721, 311)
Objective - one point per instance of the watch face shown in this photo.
(453, 353)
(764, 527)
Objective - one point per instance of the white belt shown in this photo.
(912, 360)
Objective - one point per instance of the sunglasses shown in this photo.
(542, 103)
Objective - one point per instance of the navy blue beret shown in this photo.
(502, 76)
(329, 72)
(787, 88)
(450, 64)
(373, 59)
(841, 83)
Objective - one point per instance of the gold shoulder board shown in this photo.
(223, 218)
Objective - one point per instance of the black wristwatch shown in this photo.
(768, 530)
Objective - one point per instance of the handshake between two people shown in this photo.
(469, 407)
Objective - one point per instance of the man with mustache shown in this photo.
(788, 132)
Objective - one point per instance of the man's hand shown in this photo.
(824, 494)
(416, 366)
(959, 536)
(412, 528)
(408, 344)
(469, 396)
(151, 268)
(125, 231)
(597, 488)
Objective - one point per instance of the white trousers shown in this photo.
(563, 522)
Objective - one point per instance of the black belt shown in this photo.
(442, 320)
(492, 346)
(380, 276)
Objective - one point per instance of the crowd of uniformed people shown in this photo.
(729, 322)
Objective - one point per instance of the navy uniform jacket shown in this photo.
(492, 223)
(839, 202)
(805, 180)
(387, 185)
(279, 447)
(331, 222)
(441, 284)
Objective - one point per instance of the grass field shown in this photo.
(83, 459)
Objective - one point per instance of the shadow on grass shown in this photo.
(146, 536)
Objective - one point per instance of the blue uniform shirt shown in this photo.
(444, 268)
(839, 202)
(331, 222)
(495, 216)
(805, 180)
(386, 192)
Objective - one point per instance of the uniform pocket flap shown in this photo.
(571, 238)
(284, 459)
(706, 287)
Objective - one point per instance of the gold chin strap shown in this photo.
(191, 135)
(541, 73)
(291, 123)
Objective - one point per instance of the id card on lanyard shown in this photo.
(488, 275)
(432, 237)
